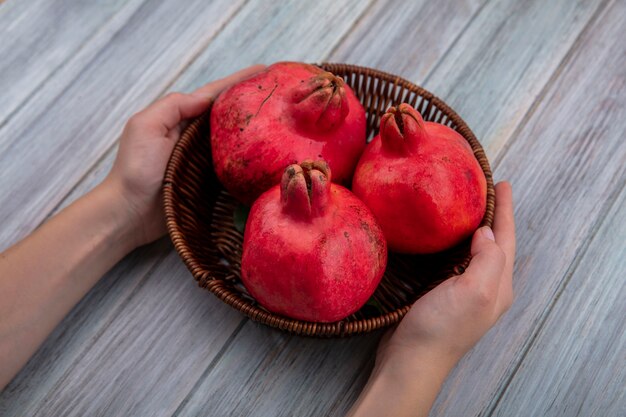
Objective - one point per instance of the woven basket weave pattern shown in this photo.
(199, 216)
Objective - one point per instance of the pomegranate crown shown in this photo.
(402, 129)
(320, 102)
(305, 189)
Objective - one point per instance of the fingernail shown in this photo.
(488, 233)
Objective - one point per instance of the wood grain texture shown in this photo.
(265, 372)
(38, 37)
(406, 38)
(81, 328)
(566, 165)
(95, 176)
(102, 353)
(361, 45)
(83, 121)
(45, 95)
(340, 390)
(149, 357)
(289, 30)
(576, 364)
(82, 371)
(499, 66)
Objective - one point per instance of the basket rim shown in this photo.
(254, 312)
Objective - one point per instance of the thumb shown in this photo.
(212, 89)
(168, 112)
(165, 114)
(488, 259)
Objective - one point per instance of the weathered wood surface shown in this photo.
(43, 97)
(567, 164)
(83, 121)
(147, 341)
(39, 37)
(409, 40)
(575, 365)
(496, 72)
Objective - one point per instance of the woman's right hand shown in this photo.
(453, 316)
(414, 359)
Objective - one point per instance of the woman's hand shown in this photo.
(414, 359)
(451, 318)
(145, 148)
(46, 274)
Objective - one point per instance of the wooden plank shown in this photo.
(38, 37)
(310, 38)
(43, 97)
(94, 177)
(566, 164)
(291, 376)
(142, 399)
(407, 39)
(80, 328)
(576, 364)
(146, 361)
(499, 67)
(57, 148)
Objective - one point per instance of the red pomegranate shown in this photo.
(422, 182)
(283, 115)
(312, 250)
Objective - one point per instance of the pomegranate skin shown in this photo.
(288, 113)
(312, 251)
(422, 182)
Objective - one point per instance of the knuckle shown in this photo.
(134, 120)
(482, 296)
(174, 96)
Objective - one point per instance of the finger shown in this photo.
(482, 276)
(212, 89)
(504, 229)
(166, 113)
(504, 223)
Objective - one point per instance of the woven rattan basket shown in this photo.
(199, 215)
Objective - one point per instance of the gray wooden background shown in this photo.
(541, 83)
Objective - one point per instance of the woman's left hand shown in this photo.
(145, 148)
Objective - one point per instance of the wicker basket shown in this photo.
(199, 214)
